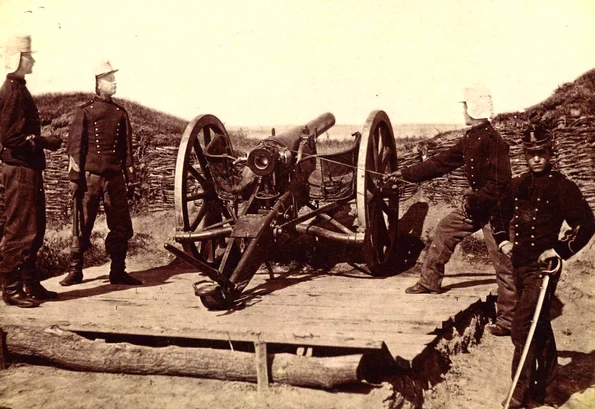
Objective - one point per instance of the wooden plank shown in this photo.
(345, 308)
(344, 338)
(326, 340)
(431, 307)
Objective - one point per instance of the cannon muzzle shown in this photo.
(282, 148)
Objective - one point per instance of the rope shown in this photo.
(354, 167)
(400, 180)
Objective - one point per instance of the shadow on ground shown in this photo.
(306, 257)
(156, 276)
(577, 376)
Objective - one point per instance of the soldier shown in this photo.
(100, 168)
(531, 212)
(22, 176)
(484, 155)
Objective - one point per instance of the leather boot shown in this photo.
(13, 294)
(37, 291)
(75, 272)
(32, 286)
(118, 274)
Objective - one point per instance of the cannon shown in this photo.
(231, 209)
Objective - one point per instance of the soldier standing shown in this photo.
(100, 168)
(22, 176)
(533, 209)
(484, 155)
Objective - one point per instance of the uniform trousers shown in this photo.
(25, 221)
(540, 366)
(449, 232)
(111, 190)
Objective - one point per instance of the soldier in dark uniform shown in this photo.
(531, 212)
(484, 155)
(22, 176)
(100, 167)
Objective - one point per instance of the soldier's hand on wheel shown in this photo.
(393, 177)
(51, 142)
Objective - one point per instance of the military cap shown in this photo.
(12, 50)
(536, 137)
(479, 102)
(102, 68)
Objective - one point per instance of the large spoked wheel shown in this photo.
(377, 204)
(197, 205)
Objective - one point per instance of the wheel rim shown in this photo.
(377, 205)
(197, 205)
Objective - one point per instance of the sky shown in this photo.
(273, 62)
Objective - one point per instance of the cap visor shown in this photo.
(536, 148)
(106, 73)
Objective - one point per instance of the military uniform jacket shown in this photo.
(100, 140)
(484, 155)
(19, 125)
(533, 209)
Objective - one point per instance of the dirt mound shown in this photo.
(572, 99)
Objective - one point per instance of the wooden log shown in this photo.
(72, 351)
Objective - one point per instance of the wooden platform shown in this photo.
(344, 308)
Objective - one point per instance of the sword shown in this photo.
(555, 266)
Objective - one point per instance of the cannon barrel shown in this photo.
(290, 139)
(263, 159)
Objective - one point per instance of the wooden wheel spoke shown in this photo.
(384, 159)
(380, 138)
(379, 226)
(371, 186)
(199, 216)
(200, 155)
(383, 238)
(195, 196)
(207, 135)
(197, 175)
(374, 153)
(384, 207)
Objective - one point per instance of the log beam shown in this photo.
(71, 351)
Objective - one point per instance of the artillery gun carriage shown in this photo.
(231, 210)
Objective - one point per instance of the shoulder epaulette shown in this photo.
(86, 104)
